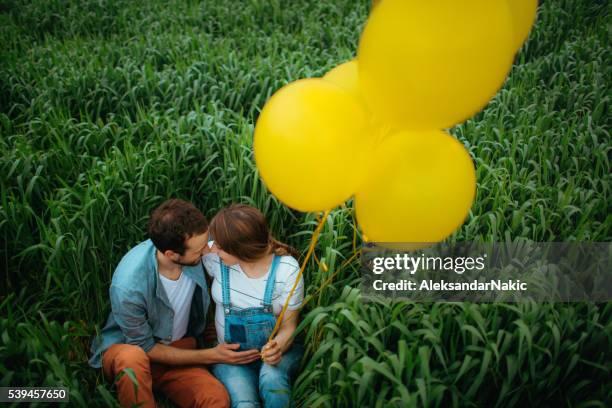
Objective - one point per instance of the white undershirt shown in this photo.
(180, 294)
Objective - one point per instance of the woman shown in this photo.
(253, 275)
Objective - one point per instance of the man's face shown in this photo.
(195, 248)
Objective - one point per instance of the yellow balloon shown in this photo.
(346, 76)
(433, 64)
(419, 189)
(307, 138)
(523, 16)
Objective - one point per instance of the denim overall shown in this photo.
(250, 327)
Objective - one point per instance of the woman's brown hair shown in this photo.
(242, 231)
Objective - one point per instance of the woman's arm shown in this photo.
(274, 349)
(284, 337)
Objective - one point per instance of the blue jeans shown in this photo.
(249, 384)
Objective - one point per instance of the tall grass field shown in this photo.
(109, 107)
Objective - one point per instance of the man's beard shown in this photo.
(187, 264)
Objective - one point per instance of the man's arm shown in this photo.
(222, 353)
(130, 314)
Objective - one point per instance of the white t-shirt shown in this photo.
(247, 292)
(180, 295)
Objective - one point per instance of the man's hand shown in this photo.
(225, 353)
(271, 353)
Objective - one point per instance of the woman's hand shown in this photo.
(271, 353)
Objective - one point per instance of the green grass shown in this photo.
(109, 107)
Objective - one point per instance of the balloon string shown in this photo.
(313, 242)
(327, 282)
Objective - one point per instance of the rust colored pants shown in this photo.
(186, 386)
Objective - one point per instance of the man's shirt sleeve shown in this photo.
(130, 313)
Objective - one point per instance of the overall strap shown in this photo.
(225, 286)
(267, 300)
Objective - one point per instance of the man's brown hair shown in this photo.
(173, 222)
(242, 231)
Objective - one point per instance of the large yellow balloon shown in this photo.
(419, 190)
(523, 15)
(432, 64)
(307, 138)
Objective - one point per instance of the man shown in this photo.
(159, 301)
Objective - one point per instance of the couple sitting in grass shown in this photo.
(154, 336)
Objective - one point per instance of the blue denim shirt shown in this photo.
(141, 313)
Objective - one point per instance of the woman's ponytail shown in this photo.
(281, 249)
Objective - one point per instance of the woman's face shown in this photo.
(227, 259)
